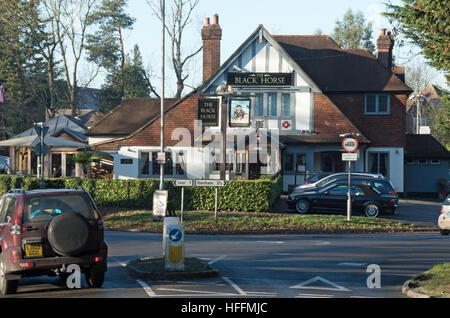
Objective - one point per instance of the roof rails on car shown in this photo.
(22, 191)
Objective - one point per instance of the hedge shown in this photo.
(238, 195)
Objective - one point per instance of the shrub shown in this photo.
(239, 195)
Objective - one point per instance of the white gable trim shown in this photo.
(257, 36)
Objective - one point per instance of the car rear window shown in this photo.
(382, 185)
(44, 208)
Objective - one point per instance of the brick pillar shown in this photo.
(211, 36)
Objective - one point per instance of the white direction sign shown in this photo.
(349, 156)
(210, 183)
(183, 182)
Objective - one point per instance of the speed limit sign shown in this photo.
(350, 144)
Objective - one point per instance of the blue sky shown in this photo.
(238, 19)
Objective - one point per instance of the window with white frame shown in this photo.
(379, 163)
(272, 105)
(377, 104)
(149, 167)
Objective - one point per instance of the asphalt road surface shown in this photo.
(287, 266)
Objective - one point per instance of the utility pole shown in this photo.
(163, 16)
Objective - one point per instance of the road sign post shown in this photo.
(212, 183)
(182, 183)
(350, 145)
(41, 149)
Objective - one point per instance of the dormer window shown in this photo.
(377, 104)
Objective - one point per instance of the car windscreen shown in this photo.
(43, 208)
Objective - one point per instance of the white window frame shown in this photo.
(377, 104)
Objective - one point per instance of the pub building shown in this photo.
(282, 99)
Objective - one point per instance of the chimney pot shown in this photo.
(383, 31)
(216, 19)
(207, 21)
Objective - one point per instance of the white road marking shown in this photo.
(217, 259)
(236, 287)
(314, 296)
(334, 287)
(147, 288)
(322, 243)
(352, 264)
(118, 261)
(270, 242)
(197, 292)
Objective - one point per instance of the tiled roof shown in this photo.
(129, 116)
(339, 70)
(425, 146)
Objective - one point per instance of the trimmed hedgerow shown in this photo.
(238, 195)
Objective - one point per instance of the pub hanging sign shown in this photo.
(208, 111)
(259, 79)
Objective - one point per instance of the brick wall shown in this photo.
(328, 119)
(181, 116)
(382, 130)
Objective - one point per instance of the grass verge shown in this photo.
(252, 222)
(435, 282)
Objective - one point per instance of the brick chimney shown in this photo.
(385, 43)
(211, 36)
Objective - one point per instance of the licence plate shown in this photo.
(33, 250)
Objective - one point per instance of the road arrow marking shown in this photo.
(334, 287)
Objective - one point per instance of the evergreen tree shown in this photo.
(425, 23)
(134, 78)
(353, 32)
(21, 68)
(106, 47)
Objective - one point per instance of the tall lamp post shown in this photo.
(161, 171)
(419, 98)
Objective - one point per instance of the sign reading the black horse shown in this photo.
(208, 112)
(259, 79)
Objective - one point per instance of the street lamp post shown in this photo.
(161, 174)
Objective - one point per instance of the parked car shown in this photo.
(444, 218)
(44, 231)
(333, 197)
(330, 178)
(316, 177)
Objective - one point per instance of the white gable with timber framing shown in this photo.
(287, 108)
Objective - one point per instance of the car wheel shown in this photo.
(302, 206)
(444, 232)
(371, 210)
(6, 286)
(94, 279)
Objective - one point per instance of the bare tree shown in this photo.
(419, 75)
(179, 18)
(71, 19)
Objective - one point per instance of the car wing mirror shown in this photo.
(326, 193)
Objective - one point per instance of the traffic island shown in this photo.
(153, 268)
(434, 283)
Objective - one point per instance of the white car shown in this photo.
(444, 218)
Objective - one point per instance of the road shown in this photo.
(287, 266)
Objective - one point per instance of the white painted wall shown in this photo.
(396, 165)
(194, 161)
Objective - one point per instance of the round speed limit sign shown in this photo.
(350, 144)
